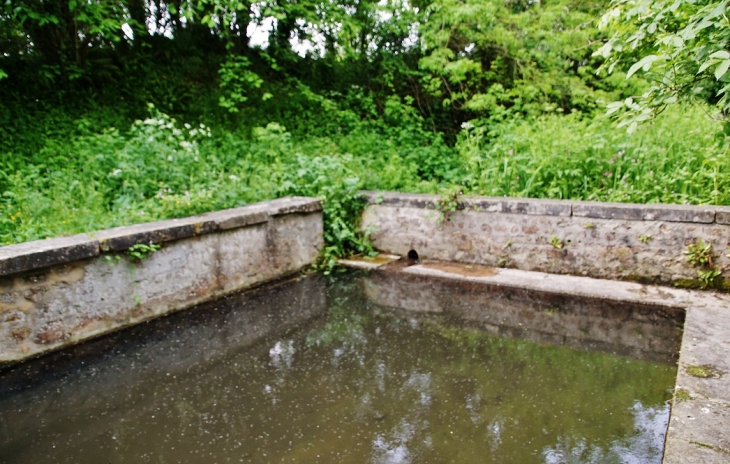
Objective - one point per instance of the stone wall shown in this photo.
(61, 291)
(603, 240)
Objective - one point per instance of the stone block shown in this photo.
(598, 210)
(293, 205)
(122, 238)
(476, 204)
(680, 213)
(537, 207)
(401, 200)
(722, 214)
(485, 204)
(42, 253)
(239, 217)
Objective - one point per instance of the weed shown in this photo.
(699, 254)
(589, 225)
(141, 251)
(645, 238)
(708, 276)
(448, 203)
(111, 260)
(556, 242)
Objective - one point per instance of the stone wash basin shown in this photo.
(508, 330)
(410, 362)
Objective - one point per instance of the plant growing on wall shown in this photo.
(142, 251)
(448, 204)
(699, 255)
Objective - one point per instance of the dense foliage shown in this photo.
(122, 111)
(680, 45)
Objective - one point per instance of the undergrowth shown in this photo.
(159, 168)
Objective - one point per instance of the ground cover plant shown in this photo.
(123, 112)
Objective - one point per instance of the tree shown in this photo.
(680, 47)
(488, 57)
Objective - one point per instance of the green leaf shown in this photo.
(706, 65)
(614, 106)
(722, 69)
(721, 55)
(644, 63)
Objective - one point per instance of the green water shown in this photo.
(313, 372)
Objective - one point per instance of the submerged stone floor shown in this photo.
(699, 428)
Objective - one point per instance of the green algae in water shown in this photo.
(284, 378)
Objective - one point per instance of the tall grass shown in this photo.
(162, 168)
(682, 157)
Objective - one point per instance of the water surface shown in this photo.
(312, 371)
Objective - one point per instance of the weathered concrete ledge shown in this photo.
(61, 291)
(602, 240)
(622, 317)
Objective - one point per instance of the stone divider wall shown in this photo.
(64, 290)
(602, 240)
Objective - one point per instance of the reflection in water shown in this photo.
(643, 447)
(285, 378)
(282, 354)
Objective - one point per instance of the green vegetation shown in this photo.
(680, 46)
(719, 449)
(699, 255)
(140, 251)
(703, 372)
(681, 395)
(129, 111)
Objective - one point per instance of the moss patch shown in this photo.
(699, 284)
(681, 395)
(719, 449)
(703, 372)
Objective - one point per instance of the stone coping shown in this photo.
(700, 415)
(60, 250)
(543, 207)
